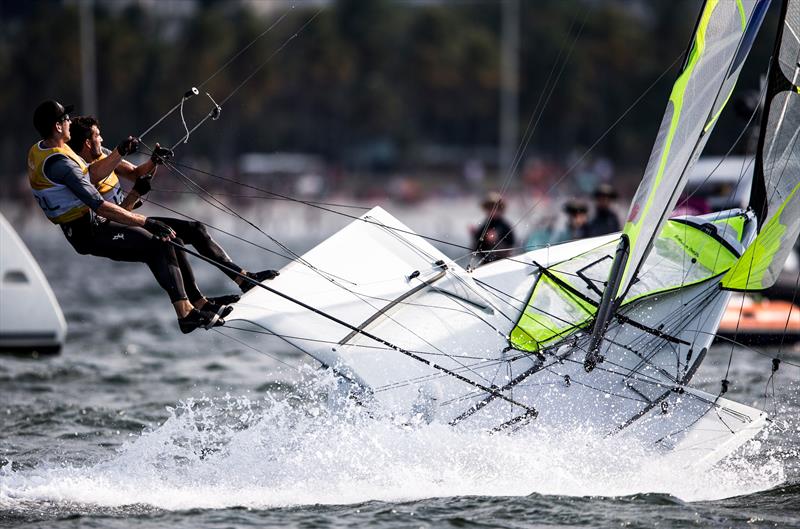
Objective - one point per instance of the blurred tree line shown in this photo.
(368, 85)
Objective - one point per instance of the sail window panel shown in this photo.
(551, 314)
(682, 255)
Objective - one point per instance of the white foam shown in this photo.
(215, 453)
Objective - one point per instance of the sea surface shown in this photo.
(137, 425)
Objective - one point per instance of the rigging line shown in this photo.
(241, 51)
(263, 64)
(598, 390)
(314, 205)
(750, 349)
(241, 342)
(190, 93)
(611, 127)
(789, 316)
(286, 337)
(230, 234)
(352, 327)
(538, 109)
(541, 105)
(236, 195)
(151, 201)
(296, 257)
(487, 363)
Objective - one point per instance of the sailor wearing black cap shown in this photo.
(62, 184)
(577, 222)
(605, 220)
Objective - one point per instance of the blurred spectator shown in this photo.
(577, 222)
(474, 173)
(542, 234)
(494, 238)
(605, 220)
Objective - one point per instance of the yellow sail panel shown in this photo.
(761, 263)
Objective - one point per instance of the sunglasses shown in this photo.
(64, 118)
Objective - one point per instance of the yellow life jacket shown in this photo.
(57, 201)
(109, 186)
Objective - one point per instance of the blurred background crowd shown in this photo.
(552, 103)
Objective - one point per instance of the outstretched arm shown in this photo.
(100, 169)
(63, 170)
(131, 172)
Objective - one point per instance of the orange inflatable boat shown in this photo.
(763, 321)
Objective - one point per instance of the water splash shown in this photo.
(293, 450)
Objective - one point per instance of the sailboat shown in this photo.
(603, 333)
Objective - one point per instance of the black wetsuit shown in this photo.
(195, 233)
(95, 235)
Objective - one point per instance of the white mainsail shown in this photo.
(776, 196)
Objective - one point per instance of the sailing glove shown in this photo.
(161, 155)
(128, 146)
(142, 184)
(158, 229)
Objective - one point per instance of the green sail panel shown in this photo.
(722, 39)
(565, 298)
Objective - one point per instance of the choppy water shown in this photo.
(136, 425)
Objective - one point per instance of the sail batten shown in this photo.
(723, 38)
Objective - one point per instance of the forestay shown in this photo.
(722, 40)
(776, 196)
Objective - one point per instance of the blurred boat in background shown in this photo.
(31, 320)
(760, 321)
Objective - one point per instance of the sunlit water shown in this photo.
(136, 424)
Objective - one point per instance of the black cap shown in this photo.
(47, 114)
(605, 190)
(575, 206)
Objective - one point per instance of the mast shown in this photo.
(608, 305)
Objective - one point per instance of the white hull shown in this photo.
(377, 276)
(30, 317)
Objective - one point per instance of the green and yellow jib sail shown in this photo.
(776, 188)
(722, 39)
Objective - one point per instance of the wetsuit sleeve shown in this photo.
(62, 170)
